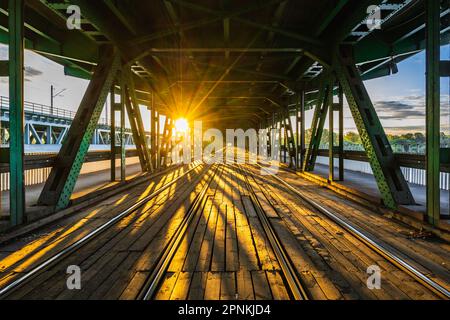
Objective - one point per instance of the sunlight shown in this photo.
(181, 125)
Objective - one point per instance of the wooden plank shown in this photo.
(232, 255)
(248, 258)
(244, 285)
(204, 259)
(198, 284)
(265, 252)
(167, 286)
(249, 208)
(218, 257)
(279, 291)
(181, 289)
(196, 244)
(228, 286)
(261, 286)
(212, 290)
(134, 286)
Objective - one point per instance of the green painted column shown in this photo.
(113, 132)
(330, 134)
(16, 65)
(341, 133)
(432, 110)
(302, 131)
(123, 173)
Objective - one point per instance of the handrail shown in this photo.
(37, 108)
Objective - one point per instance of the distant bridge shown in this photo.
(47, 125)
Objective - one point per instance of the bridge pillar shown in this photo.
(16, 126)
(432, 110)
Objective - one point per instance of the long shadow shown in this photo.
(39, 249)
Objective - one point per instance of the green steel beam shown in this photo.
(391, 182)
(61, 181)
(203, 22)
(341, 133)
(302, 130)
(320, 114)
(331, 133)
(328, 17)
(313, 47)
(16, 116)
(46, 32)
(4, 68)
(432, 111)
(121, 108)
(112, 104)
(137, 126)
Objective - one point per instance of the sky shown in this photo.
(398, 99)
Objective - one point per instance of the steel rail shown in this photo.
(368, 241)
(154, 280)
(8, 289)
(294, 281)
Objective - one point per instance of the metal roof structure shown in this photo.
(190, 54)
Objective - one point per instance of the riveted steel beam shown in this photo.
(137, 126)
(432, 111)
(61, 182)
(318, 122)
(391, 182)
(16, 109)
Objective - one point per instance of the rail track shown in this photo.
(7, 290)
(371, 243)
(154, 281)
(294, 281)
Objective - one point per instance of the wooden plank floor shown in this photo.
(225, 253)
(336, 261)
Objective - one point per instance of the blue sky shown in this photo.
(398, 99)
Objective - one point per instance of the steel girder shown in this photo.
(112, 103)
(320, 114)
(16, 84)
(137, 126)
(166, 143)
(390, 180)
(61, 182)
(433, 111)
(289, 138)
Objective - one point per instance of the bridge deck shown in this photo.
(225, 252)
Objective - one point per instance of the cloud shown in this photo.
(396, 110)
(408, 107)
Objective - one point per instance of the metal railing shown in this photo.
(41, 109)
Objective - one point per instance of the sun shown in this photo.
(181, 125)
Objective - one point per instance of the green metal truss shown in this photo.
(61, 182)
(16, 130)
(433, 112)
(320, 115)
(391, 182)
(137, 126)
